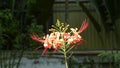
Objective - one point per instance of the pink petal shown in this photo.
(44, 51)
(84, 26)
(38, 47)
(36, 38)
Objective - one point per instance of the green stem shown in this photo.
(70, 48)
(65, 57)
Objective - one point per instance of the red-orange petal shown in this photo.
(36, 38)
(84, 26)
(44, 51)
(38, 47)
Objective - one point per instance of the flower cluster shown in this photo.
(60, 38)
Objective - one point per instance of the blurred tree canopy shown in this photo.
(41, 9)
(20, 18)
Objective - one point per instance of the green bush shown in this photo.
(15, 36)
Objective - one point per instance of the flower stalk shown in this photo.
(65, 57)
(61, 40)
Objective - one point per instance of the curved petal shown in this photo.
(36, 38)
(84, 26)
(44, 51)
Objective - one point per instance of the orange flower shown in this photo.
(76, 37)
(66, 36)
(56, 40)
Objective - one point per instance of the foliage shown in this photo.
(11, 32)
(109, 56)
(41, 10)
(9, 27)
(34, 28)
(16, 24)
(112, 57)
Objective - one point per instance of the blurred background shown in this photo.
(20, 18)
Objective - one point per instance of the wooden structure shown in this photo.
(93, 40)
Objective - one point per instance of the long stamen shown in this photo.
(44, 51)
(38, 47)
(36, 38)
(84, 26)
